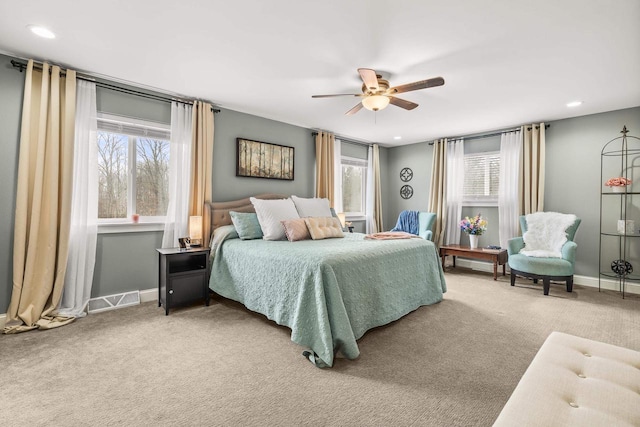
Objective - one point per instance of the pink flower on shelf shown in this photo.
(618, 182)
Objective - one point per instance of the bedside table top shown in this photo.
(173, 251)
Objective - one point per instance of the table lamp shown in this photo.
(195, 230)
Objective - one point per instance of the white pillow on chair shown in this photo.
(270, 213)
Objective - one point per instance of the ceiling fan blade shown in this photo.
(339, 94)
(422, 84)
(354, 110)
(402, 103)
(369, 78)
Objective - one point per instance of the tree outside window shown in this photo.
(133, 171)
(354, 178)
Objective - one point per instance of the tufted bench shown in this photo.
(574, 381)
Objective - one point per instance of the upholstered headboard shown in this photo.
(218, 212)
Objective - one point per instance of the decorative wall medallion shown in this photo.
(406, 174)
(406, 192)
(621, 267)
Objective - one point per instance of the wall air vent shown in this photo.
(111, 302)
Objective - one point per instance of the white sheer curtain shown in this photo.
(369, 197)
(378, 220)
(455, 190)
(373, 199)
(337, 176)
(177, 221)
(508, 200)
(84, 205)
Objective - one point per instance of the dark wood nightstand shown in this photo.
(183, 276)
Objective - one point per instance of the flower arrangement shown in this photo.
(618, 182)
(475, 226)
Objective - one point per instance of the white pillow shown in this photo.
(314, 207)
(270, 213)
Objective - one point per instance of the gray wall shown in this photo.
(230, 125)
(572, 184)
(573, 174)
(11, 89)
(126, 262)
(418, 157)
(122, 104)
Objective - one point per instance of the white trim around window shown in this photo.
(360, 163)
(133, 129)
(485, 199)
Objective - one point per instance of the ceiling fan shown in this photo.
(376, 93)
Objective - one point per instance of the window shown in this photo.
(133, 169)
(481, 179)
(354, 184)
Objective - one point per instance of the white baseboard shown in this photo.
(149, 295)
(592, 282)
(146, 295)
(608, 284)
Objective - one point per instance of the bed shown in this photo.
(328, 292)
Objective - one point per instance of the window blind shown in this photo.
(481, 176)
(133, 129)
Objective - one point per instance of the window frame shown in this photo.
(146, 223)
(361, 163)
(491, 201)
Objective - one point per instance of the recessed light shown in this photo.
(41, 31)
(574, 104)
(397, 137)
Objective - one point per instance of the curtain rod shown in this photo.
(21, 66)
(488, 135)
(348, 141)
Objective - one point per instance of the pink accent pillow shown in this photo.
(295, 229)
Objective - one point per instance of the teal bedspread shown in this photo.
(329, 292)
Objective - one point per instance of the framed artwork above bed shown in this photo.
(264, 160)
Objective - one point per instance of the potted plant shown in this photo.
(474, 227)
(619, 184)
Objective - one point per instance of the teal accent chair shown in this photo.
(545, 269)
(426, 220)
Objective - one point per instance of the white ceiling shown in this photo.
(504, 62)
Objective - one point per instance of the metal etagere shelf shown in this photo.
(620, 212)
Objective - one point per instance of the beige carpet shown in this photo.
(453, 363)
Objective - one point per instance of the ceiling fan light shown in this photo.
(375, 102)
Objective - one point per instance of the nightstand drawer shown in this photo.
(185, 288)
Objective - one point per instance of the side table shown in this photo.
(497, 256)
(183, 276)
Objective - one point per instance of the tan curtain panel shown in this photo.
(202, 164)
(437, 192)
(324, 166)
(377, 194)
(531, 174)
(43, 202)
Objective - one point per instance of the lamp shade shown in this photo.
(195, 227)
(342, 218)
(375, 102)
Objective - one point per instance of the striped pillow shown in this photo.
(296, 229)
(324, 227)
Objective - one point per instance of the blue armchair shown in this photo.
(406, 222)
(545, 269)
(426, 220)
